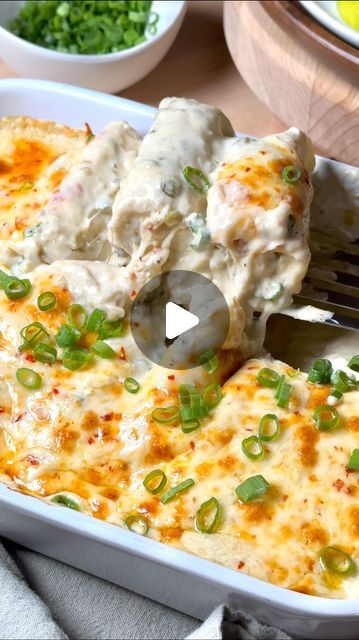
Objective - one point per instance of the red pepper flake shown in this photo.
(122, 354)
(108, 416)
(19, 417)
(33, 461)
(90, 440)
(55, 391)
(240, 564)
(192, 444)
(171, 377)
(30, 358)
(133, 294)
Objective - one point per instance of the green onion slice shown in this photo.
(74, 358)
(252, 488)
(212, 395)
(326, 417)
(354, 460)
(29, 378)
(268, 378)
(102, 349)
(335, 560)
(320, 371)
(15, 288)
(342, 381)
(209, 361)
(136, 524)
(283, 393)
(252, 447)
(66, 502)
(166, 415)
(131, 385)
(268, 427)
(291, 173)
(77, 316)
(46, 301)
(335, 394)
(196, 179)
(354, 363)
(190, 425)
(188, 395)
(45, 353)
(208, 516)
(96, 317)
(67, 336)
(155, 481)
(171, 494)
(110, 329)
(32, 334)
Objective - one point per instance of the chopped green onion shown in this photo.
(334, 397)
(201, 184)
(354, 460)
(208, 516)
(283, 393)
(91, 27)
(320, 371)
(209, 361)
(95, 320)
(201, 234)
(337, 561)
(45, 353)
(212, 395)
(171, 494)
(166, 415)
(29, 378)
(252, 447)
(136, 524)
(354, 363)
(188, 395)
(272, 291)
(131, 385)
(155, 481)
(110, 329)
(32, 334)
(74, 358)
(46, 301)
(252, 488)
(291, 173)
(102, 349)
(293, 374)
(342, 381)
(268, 378)
(77, 316)
(326, 417)
(14, 288)
(189, 426)
(67, 336)
(66, 502)
(269, 427)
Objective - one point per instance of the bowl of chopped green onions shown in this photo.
(106, 45)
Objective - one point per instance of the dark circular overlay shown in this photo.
(194, 293)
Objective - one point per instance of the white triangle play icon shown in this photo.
(178, 320)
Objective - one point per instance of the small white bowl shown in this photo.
(110, 72)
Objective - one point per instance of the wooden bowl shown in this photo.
(304, 74)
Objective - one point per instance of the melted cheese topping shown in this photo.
(82, 435)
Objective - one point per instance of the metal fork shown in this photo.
(332, 281)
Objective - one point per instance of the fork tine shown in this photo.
(321, 238)
(324, 285)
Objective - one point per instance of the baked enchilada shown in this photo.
(243, 460)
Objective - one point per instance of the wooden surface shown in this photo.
(304, 87)
(199, 66)
(293, 15)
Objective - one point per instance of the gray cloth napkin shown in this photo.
(45, 599)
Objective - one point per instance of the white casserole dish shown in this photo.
(175, 578)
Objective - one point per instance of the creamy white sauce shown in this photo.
(74, 222)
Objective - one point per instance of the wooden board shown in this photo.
(303, 82)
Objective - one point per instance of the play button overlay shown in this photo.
(178, 320)
(177, 316)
